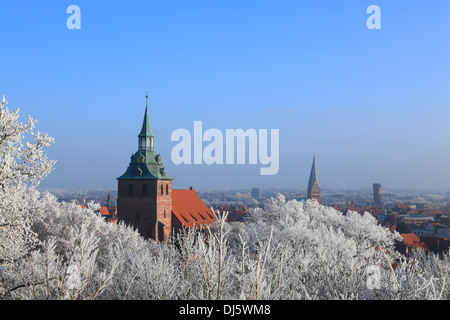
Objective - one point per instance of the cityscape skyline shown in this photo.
(371, 105)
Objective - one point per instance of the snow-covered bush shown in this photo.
(23, 164)
(285, 250)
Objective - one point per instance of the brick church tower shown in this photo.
(145, 190)
(313, 184)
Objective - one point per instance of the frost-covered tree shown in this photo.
(315, 252)
(68, 262)
(285, 250)
(23, 164)
(308, 251)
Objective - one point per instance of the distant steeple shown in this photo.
(313, 176)
(313, 184)
(108, 201)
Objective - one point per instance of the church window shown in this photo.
(144, 190)
(130, 190)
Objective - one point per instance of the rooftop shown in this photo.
(190, 209)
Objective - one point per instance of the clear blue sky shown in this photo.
(372, 105)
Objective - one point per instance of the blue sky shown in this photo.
(372, 105)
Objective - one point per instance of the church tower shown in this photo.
(313, 184)
(145, 190)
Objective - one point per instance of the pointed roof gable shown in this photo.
(313, 178)
(190, 209)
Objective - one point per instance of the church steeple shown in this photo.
(146, 137)
(145, 163)
(313, 176)
(144, 197)
(313, 184)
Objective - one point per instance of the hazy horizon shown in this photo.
(237, 189)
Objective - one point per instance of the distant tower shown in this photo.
(377, 195)
(313, 185)
(145, 190)
(108, 201)
(256, 193)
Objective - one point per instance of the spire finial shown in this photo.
(146, 96)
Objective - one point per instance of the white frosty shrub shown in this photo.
(285, 250)
(324, 253)
(23, 164)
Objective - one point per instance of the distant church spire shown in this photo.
(108, 201)
(313, 184)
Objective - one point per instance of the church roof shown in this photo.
(313, 177)
(190, 209)
(145, 165)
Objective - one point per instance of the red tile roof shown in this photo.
(412, 240)
(104, 211)
(190, 209)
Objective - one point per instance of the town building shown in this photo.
(256, 193)
(109, 213)
(235, 213)
(409, 243)
(146, 200)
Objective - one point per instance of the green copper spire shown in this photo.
(313, 178)
(146, 129)
(145, 163)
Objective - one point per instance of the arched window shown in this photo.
(130, 190)
(144, 190)
(162, 190)
(167, 189)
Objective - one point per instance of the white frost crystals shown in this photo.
(21, 149)
(285, 250)
(23, 164)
